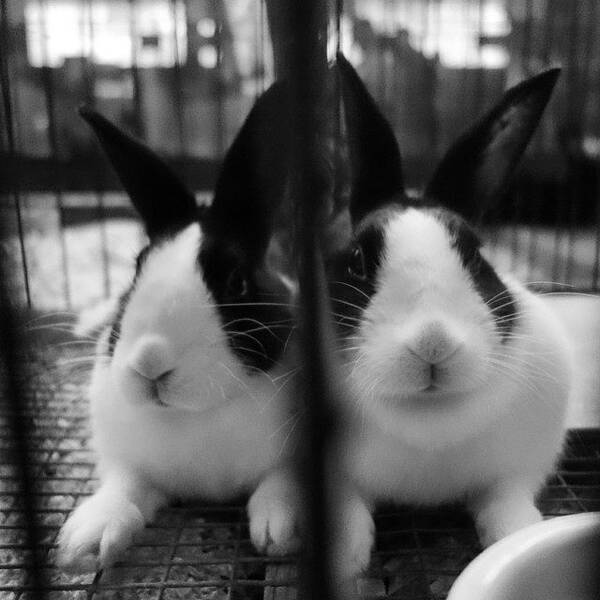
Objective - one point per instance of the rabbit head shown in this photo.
(424, 320)
(205, 313)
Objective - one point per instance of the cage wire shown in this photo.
(183, 81)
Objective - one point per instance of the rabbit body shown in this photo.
(487, 433)
(187, 397)
(210, 430)
(215, 429)
(456, 379)
(436, 450)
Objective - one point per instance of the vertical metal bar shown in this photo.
(548, 30)
(10, 140)
(464, 98)
(526, 44)
(591, 76)
(277, 16)
(526, 53)
(481, 78)
(87, 42)
(261, 5)
(435, 128)
(547, 54)
(574, 110)
(218, 85)
(48, 84)
(90, 78)
(135, 73)
(177, 82)
(517, 195)
(258, 49)
(515, 233)
(308, 70)
(596, 271)
(380, 82)
(591, 24)
(581, 53)
(12, 394)
(339, 10)
(3, 134)
(532, 241)
(337, 115)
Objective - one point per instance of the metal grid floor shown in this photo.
(204, 551)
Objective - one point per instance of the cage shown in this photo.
(181, 75)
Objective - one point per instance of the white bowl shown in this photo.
(558, 559)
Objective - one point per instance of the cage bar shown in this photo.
(10, 141)
(306, 27)
(138, 106)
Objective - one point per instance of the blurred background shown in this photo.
(182, 75)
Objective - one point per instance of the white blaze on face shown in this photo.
(171, 327)
(426, 332)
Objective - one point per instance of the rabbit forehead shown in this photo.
(169, 296)
(422, 269)
(435, 250)
(419, 239)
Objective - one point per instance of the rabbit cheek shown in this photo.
(252, 306)
(493, 292)
(256, 332)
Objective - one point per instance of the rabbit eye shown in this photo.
(237, 285)
(356, 264)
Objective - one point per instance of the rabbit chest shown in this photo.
(216, 453)
(521, 444)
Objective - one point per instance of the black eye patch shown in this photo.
(352, 275)
(489, 286)
(254, 314)
(115, 331)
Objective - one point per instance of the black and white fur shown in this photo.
(457, 377)
(187, 397)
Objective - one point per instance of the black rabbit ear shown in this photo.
(163, 202)
(478, 167)
(252, 182)
(376, 164)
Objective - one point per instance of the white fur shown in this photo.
(206, 429)
(491, 432)
(91, 321)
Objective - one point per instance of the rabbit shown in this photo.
(186, 395)
(456, 378)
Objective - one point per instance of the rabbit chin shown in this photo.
(432, 417)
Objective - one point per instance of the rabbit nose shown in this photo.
(152, 358)
(434, 343)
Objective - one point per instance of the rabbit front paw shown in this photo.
(502, 512)
(355, 537)
(273, 512)
(97, 533)
(273, 528)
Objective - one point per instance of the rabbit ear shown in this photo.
(376, 164)
(163, 202)
(478, 167)
(253, 179)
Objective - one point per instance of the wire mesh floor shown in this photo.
(205, 551)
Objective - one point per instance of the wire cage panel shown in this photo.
(204, 551)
